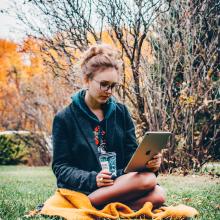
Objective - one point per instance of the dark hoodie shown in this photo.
(99, 127)
(75, 152)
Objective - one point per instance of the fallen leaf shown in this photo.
(187, 199)
(217, 206)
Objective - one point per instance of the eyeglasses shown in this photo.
(105, 86)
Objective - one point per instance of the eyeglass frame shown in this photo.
(110, 86)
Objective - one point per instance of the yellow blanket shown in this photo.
(76, 206)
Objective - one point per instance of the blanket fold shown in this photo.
(73, 205)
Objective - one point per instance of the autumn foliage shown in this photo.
(27, 87)
(171, 69)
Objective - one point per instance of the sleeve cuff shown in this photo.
(93, 181)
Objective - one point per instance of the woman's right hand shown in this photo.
(103, 178)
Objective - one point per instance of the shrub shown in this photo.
(23, 147)
(11, 152)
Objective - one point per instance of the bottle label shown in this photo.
(105, 165)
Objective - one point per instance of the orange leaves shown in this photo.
(29, 94)
(22, 60)
(32, 57)
(31, 45)
(18, 63)
(10, 61)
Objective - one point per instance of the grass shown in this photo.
(22, 188)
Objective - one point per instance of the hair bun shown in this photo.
(99, 49)
(100, 55)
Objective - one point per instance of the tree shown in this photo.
(183, 85)
(175, 87)
(73, 27)
(29, 97)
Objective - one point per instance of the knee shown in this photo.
(160, 200)
(160, 196)
(147, 181)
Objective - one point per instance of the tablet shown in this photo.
(152, 143)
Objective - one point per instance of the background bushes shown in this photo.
(24, 148)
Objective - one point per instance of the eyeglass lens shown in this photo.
(105, 86)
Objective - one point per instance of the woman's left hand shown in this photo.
(154, 164)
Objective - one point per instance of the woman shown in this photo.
(95, 123)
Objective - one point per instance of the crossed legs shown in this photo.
(133, 189)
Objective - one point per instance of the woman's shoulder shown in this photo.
(64, 112)
(121, 107)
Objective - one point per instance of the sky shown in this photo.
(10, 28)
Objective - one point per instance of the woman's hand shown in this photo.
(103, 178)
(154, 164)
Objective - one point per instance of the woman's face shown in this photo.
(102, 85)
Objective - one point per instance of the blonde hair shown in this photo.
(100, 56)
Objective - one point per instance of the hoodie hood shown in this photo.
(79, 100)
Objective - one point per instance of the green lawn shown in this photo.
(22, 188)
